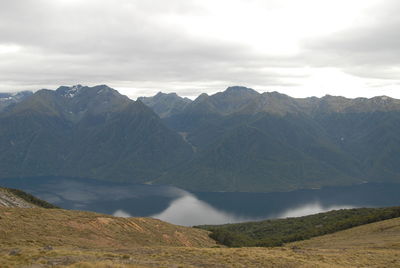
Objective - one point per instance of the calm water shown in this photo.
(177, 206)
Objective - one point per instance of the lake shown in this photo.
(181, 207)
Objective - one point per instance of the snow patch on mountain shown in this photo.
(72, 91)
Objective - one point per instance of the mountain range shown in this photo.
(247, 141)
(90, 132)
(235, 140)
(7, 99)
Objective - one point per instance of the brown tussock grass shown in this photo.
(372, 245)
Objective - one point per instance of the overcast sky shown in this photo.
(301, 48)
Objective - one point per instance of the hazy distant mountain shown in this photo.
(206, 109)
(232, 100)
(92, 132)
(166, 104)
(7, 99)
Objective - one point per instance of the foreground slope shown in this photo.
(276, 232)
(378, 235)
(38, 237)
(372, 245)
(56, 227)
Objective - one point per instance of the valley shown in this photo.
(196, 134)
(91, 148)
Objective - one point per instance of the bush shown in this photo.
(270, 233)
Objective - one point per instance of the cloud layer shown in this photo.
(140, 47)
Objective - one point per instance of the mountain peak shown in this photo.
(241, 90)
(165, 104)
(382, 98)
(160, 95)
(102, 88)
(275, 94)
(77, 90)
(202, 97)
(69, 92)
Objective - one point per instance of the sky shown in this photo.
(140, 47)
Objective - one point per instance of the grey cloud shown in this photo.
(370, 50)
(127, 43)
(117, 42)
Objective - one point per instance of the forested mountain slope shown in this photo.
(247, 141)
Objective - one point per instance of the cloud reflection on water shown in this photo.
(188, 210)
(309, 209)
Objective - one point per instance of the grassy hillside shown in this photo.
(56, 227)
(372, 245)
(277, 232)
(382, 234)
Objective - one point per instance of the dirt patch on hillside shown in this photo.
(92, 230)
(102, 220)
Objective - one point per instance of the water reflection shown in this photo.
(181, 207)
(309, 209)
(98, 196)
(188, 211)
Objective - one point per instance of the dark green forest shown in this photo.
(237, 140)
(276, 232)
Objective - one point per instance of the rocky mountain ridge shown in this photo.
(235, 140)
(7, 99)
(243, 100)
(250, 141)
(166, 104)
(90, 132)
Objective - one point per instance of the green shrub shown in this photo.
(270, 233)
